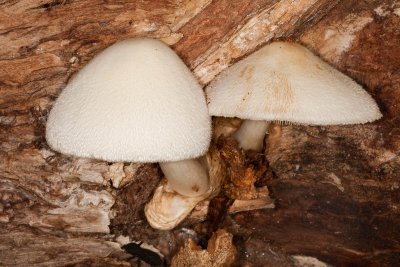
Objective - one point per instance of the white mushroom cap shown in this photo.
(286, 82)
(135, 101)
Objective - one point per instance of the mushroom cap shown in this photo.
(286, 82)
(135, 101)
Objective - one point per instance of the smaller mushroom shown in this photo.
(136, 101)
(285, 82)
(167, 208)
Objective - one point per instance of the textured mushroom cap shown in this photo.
(286, 82)
(135, 101)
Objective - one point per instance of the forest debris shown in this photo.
(116, 174)
(130, 199)
(120, 174)
(306, 261)
(244, 169)
(336, 181)
(220, 252)
(263, 201)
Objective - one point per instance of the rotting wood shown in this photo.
(220, 252)
(43, 43)
(337, 188)
(35, 248)
(280, 19)
(262, 201)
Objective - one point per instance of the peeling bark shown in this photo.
(31, 247)
(278, 20)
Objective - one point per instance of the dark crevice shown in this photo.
(51, 4)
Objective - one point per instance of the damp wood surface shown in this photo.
(336, 189)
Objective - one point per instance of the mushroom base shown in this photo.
(186, 177)
(251, 134)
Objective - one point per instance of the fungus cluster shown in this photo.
(137, 101)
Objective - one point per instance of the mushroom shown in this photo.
(167, 208)
(136, 101)
(285, 82)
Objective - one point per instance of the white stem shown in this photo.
(186, 177)
(251, 134)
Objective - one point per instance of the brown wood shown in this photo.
(336, 189)
(219, 252)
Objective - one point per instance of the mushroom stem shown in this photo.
(251, 134)
(186, 177)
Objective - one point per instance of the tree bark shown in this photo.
(336, 189)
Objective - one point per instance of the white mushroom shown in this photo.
(285, 82)
(136, 101)
(167, 208)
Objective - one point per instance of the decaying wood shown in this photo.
(244, 170)
(34, 248)
(336, 189)
(278, 19)
(262, 200)
(220, 252)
